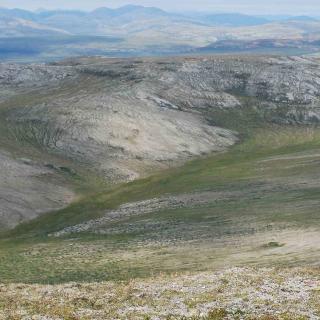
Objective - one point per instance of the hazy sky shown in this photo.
(311, 7)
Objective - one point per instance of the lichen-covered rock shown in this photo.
(237, 293)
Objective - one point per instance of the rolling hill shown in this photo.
(11, 27)
(86, 127)
(160, 188)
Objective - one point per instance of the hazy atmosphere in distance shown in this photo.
(244, 6)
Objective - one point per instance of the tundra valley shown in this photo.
(182, 186)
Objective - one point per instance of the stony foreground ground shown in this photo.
(236, 293)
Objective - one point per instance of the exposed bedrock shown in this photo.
(123, 118)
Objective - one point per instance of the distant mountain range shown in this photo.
(104, 21)
(138, 30)
(101, 21)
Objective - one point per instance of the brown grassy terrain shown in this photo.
(237, 293)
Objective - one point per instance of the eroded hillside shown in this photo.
(28, 189)
(123, 119)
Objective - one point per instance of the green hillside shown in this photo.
(269, 192)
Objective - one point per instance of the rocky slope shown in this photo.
(28, 190)
(121, 119)
(237, 293)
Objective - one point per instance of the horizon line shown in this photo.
(39, 10)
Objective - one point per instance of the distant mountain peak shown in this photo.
(127, 9)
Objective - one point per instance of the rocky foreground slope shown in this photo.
(122, 119)
(237, 293)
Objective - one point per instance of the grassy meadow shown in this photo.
(269, 216)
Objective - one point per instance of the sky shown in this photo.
(262, 7)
